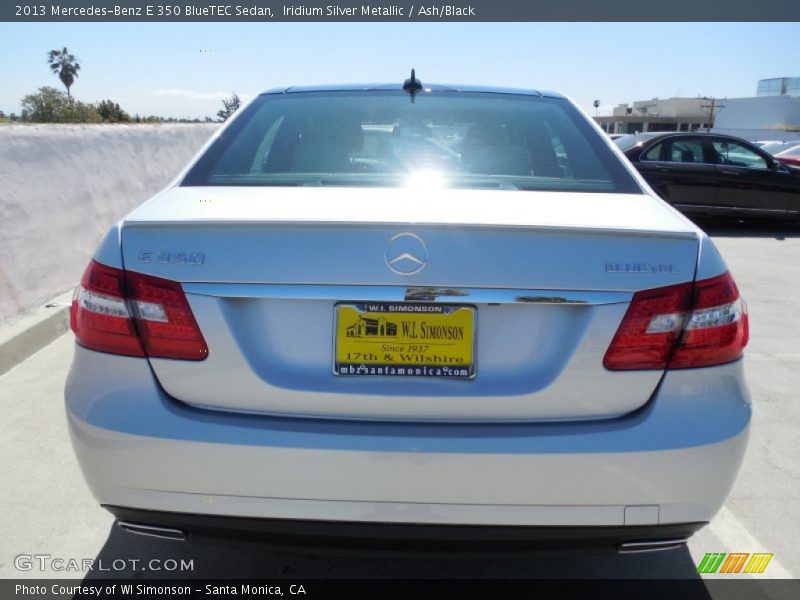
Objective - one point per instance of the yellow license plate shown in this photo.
(404, 340)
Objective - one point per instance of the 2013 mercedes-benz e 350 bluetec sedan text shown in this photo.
(410, 313)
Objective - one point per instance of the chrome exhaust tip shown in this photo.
(651, 545)
(156, 531)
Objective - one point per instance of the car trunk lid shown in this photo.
(547, 276)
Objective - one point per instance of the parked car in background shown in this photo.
(397, 314)
(778, 147)
(790, 157)
(709, 174)
(762, 143)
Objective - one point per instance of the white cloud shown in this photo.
(192, 94)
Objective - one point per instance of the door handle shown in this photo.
(727, 172)
(665, 169)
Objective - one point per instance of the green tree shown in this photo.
(65, 65)
(50, 105)
(45, 106)
(80, 112)
(231, 105)
(111, 112)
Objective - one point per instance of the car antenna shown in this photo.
(412, 85)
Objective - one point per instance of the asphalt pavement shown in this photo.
(48, 510)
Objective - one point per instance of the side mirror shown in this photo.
(774, 165)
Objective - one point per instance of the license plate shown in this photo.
(404, 340)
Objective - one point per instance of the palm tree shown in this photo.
(65, 65)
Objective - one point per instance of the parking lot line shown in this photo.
(736, 538)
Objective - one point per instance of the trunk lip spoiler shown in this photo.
(686, 234)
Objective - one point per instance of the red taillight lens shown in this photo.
(650, 329)
(687, 325)
(164, 318)
(717, 330)
(136, 315)
(100, 317)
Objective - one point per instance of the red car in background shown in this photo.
(790, 157)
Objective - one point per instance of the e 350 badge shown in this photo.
(166, 257)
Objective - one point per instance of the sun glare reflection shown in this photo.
(425, 179)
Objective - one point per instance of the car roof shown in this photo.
(786, 144)
(436, 87)
(652, 135)
(655, 134)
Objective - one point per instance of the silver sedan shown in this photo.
(410, 313)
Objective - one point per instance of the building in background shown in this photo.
(669, 114)
(772, 114)
(779, 86)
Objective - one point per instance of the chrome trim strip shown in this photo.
(731, 210)
(393, 293)
(735, 209)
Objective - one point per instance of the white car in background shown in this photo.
(778, 147)
(410, 314)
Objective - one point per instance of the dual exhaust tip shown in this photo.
(172, 533)
(651, 545)
(156, 531)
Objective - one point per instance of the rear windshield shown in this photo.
(627, 141)
(382, 138)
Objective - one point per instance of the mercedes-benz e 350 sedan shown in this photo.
(410, 313)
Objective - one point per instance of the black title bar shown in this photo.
(405, 10)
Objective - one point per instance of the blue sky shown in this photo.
(184, 69)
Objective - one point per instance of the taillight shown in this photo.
(100, 316)
(687, 325)
(164, 318)
(137, 315)
(717, 330)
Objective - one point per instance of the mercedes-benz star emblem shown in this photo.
(406, 254)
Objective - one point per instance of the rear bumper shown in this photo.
(403, 536)
(670, 463)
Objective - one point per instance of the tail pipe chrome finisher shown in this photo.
(157, 531)
(651, 545)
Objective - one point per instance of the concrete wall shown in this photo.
(63, 186)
